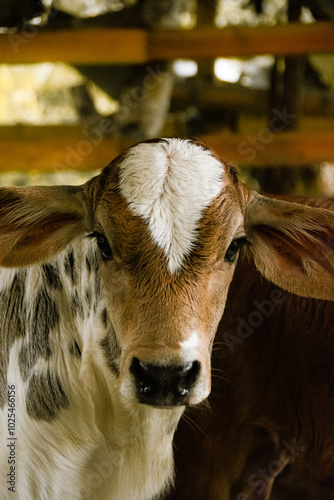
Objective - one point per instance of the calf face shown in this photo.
(165, 223)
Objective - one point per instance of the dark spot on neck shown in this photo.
(76, 305)
(44, 317)
(110, 346)
(45, 397)
(52, 277)
(104, 318)
(88, 296)
(13, 312)
(75, 349)
(70, 270)
(92, 262)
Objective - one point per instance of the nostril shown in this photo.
(138, 367)
(190, 375)
(144, 380)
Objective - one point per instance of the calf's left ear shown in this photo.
(38, 222)
(292, 245)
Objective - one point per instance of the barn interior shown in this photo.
(80, 81)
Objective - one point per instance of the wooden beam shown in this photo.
(87, 46)
(294, 38)
(231, 96)
(66, 148)
(54, 148)
(130, 46)
(264, 149)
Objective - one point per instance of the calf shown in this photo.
(110, 296)
(267, 431)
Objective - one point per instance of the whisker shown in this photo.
(218, 370)
(217, 395)
(193, 425)
(218, 346)
(218, 373)
(219, 377)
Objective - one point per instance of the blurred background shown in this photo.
(82, 80)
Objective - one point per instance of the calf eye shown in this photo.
(103, 245)
(233, 249)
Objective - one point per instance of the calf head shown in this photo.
(165, 221)
(169, 218)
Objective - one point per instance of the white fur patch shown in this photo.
(192, 342)
(189, 348)
(169, 184)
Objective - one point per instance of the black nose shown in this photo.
(164, 385)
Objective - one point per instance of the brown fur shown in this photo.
(269, 432)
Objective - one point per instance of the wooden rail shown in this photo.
(294, 38)
(286, 149)
(66, 148)
(231, 96)
(130, 46)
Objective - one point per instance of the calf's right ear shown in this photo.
(38, 222)
(292, 245)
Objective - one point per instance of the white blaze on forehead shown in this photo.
(169, 184)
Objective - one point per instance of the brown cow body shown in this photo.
(269, 430)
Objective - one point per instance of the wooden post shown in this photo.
(206, 13)
(287, 96)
